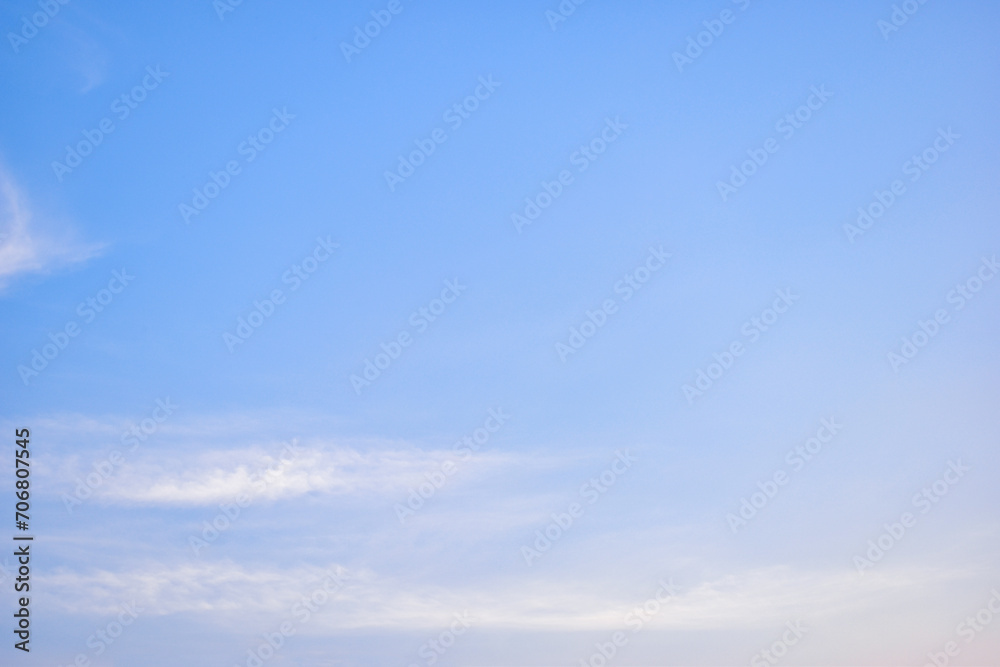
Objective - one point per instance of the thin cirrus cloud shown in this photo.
(366, 599)
(28, 247)
(220, 476)
(229, 454)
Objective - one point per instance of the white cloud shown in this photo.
(188, 587)
(220, 476)
(232, 595)
(24, 247)
(197, 460)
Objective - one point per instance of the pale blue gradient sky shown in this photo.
(495, 345)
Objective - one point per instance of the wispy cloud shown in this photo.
(25, 247)
(220, 476)
(187, 587)
(749, 599)
(225, 455)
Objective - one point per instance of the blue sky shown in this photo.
(263, 101)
